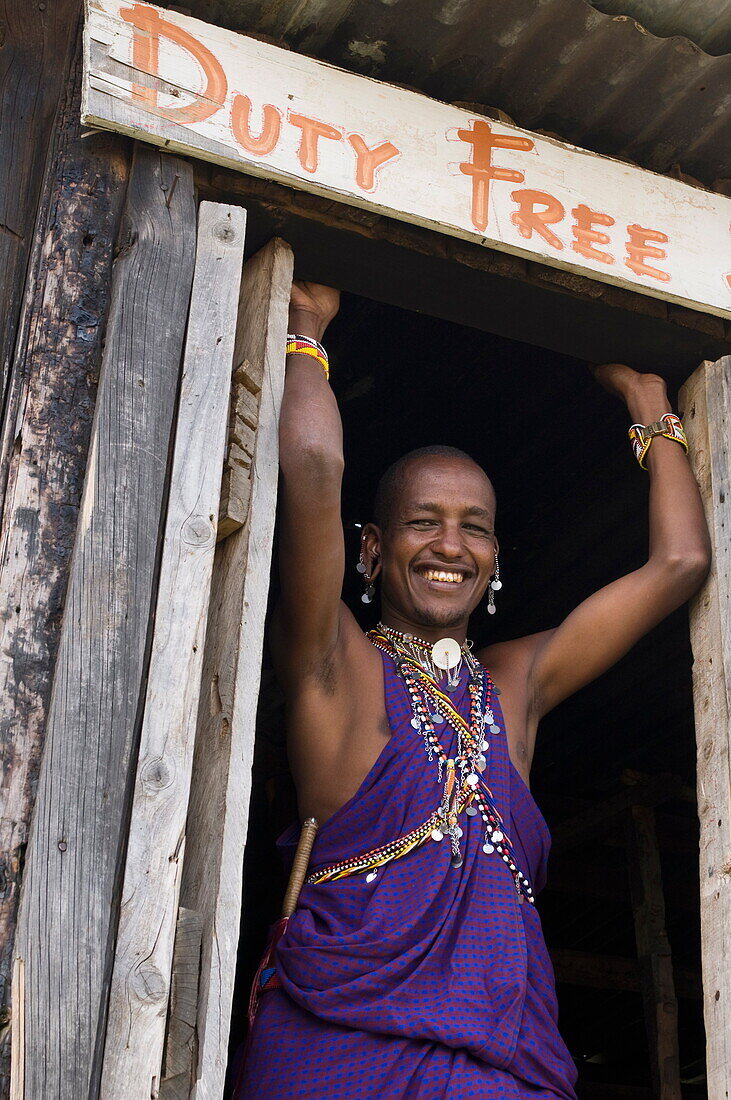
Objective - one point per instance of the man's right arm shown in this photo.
(311, 551)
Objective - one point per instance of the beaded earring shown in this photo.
(494, 586)
(370, 589)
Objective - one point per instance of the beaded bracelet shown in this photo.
(305, 345)
(642, 435)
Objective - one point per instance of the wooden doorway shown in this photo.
(615, 767)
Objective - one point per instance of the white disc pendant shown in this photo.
(446, 653)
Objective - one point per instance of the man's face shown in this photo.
(437, 552)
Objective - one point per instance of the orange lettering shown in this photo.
(638, 250)
(528, 219)
(585, 236)
(147, 26)
(368, 160)
(312, 131)
(481, 168)
(240, 118)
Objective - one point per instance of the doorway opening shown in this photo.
(572, 516)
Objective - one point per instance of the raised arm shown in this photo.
(311, 554)
(606, 625)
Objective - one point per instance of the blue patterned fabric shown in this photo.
(430, 981)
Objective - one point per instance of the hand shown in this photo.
(312, 308)
(645, 395)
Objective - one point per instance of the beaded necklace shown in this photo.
(464, 790)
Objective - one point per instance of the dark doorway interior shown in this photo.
(571, 517)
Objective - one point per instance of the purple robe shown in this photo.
(429, 981)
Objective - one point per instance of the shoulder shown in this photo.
(511, 664)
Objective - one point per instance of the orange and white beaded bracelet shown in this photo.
(642, 435)
(307, 346)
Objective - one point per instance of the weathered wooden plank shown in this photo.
(45, 441)
(269, 112)
(146, 931)
(219, 802)
(706, 403)
(180, 1045)
(78, 831)
(653, 952)
(38, 42)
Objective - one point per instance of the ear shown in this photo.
(497, 545)
(371, 549)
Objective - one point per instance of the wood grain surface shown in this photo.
(705, 402)
(70, 892)
(219, 801)
(140, 986)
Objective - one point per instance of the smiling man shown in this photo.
(415, 965)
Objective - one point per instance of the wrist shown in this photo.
(304, 323)
(647, 405)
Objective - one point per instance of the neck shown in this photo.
(427, 632)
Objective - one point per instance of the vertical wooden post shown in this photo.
(705, 401)
(155, 852)
(46, 434)
(653, 953)
(37, 40)
(219, 802)
(78, 833)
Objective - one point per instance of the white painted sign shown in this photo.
(220, 96)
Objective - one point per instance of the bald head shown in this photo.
(393, 481)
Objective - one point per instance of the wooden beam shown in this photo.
(594, 820)
(653, 952)
(46, 434)
(706, 404)
(38, 43)
(79, 826)
(145, 936)
(425, 144)
(219, 802)
(583, 968)
(469, 284)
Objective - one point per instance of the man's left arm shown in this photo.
(606, 625)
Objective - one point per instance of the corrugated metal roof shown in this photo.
(705, 22)
(600, 81)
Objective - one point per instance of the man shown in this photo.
(415, 966)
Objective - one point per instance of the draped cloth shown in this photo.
(429, 981)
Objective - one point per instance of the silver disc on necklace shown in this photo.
(416, 722)
(437, 834)
(446, 653)
(471, 811)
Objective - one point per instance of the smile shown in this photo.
(442, 575)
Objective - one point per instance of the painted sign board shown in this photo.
(224, 97)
